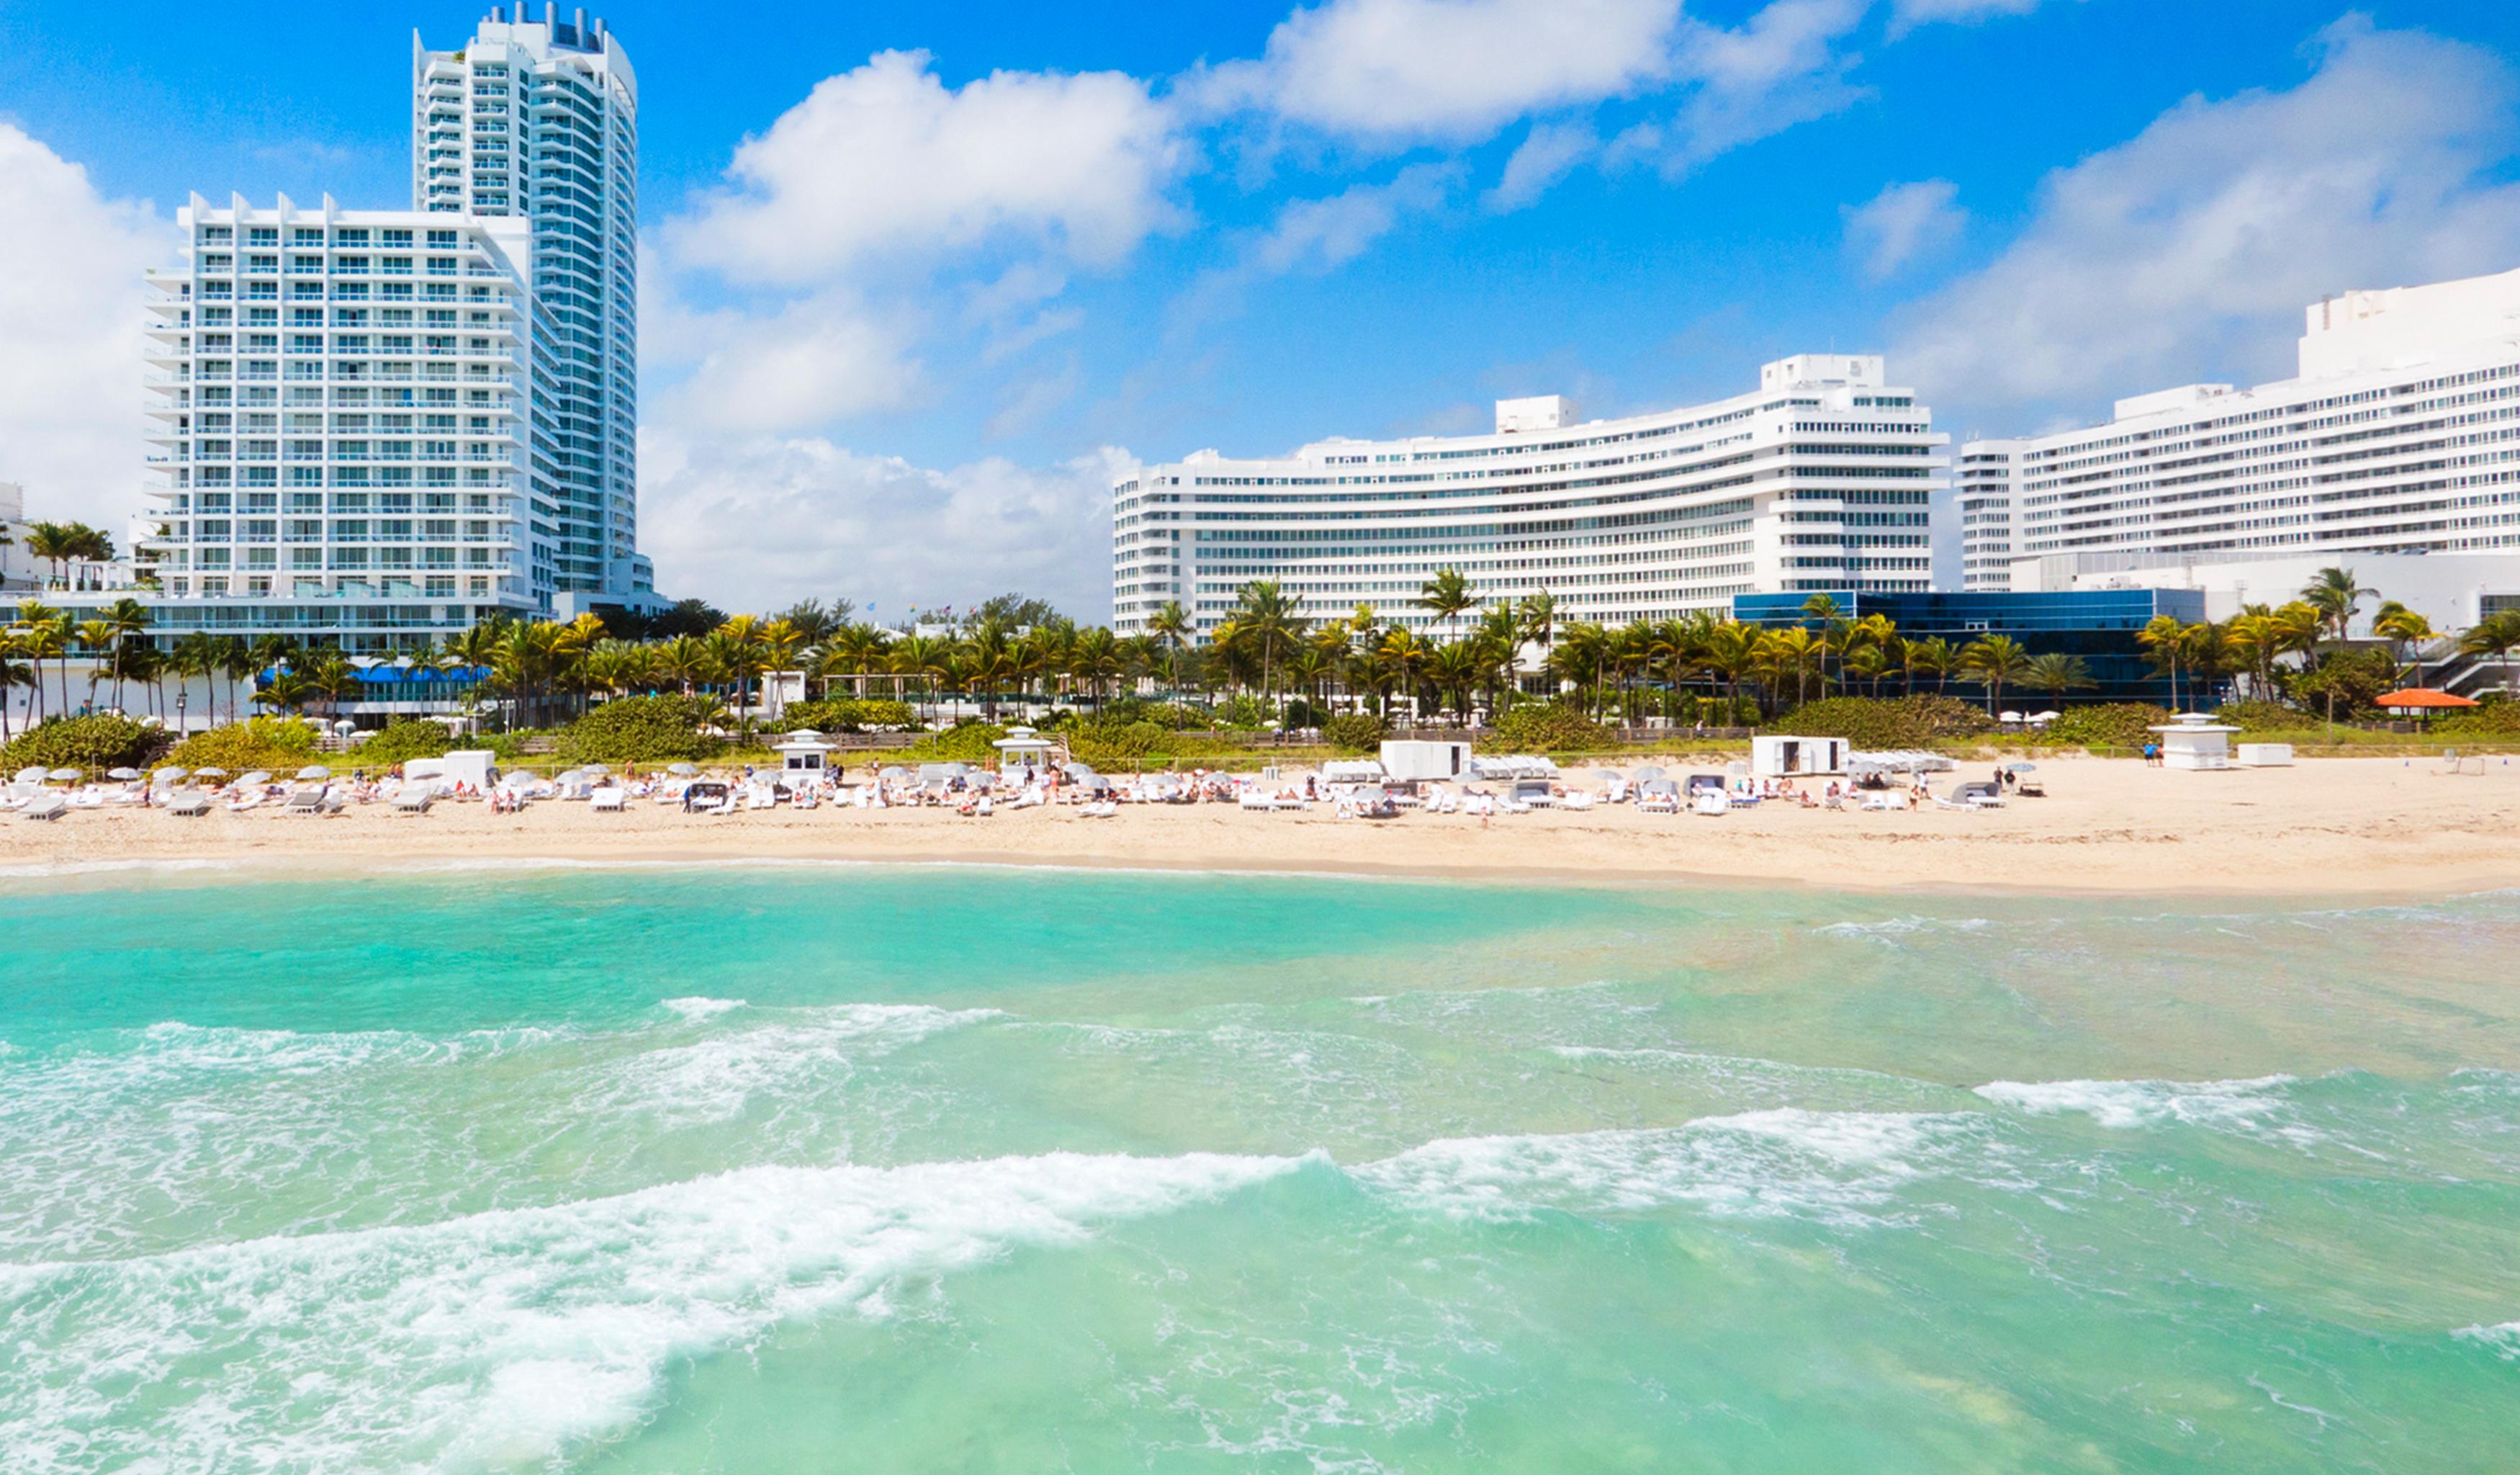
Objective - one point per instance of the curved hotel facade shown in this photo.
(1821, 480)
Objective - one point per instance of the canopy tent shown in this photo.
(2421, 698)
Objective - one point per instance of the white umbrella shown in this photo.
(596, 769)
(30, 775)
(681, 770)
(170, 772)
(314, 772)
(257, 776)
(2023, 767)
(63, 776)
(208, 772)
(125, 774)
(1648, 773)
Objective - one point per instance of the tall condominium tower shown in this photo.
(538, 119)
(1822, 479)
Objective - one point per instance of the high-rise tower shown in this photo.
(539, 119)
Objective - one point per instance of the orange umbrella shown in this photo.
(2421, 699)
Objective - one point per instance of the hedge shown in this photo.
(1354, 732)
(848, 715)
(1545, 727)
(1876, 724)
(642, 730)
(96, 742)
(277, 744)
(2115, 725)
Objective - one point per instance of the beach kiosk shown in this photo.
(805, 757)
(1023, 747)
(1798, 757)
(2194, 740)
(1411, 761)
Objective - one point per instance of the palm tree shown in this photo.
(2494, 635)
(1171, 624)
(287, 691)
(128, 618)
(55, 544)
(2333, 593)
(1446, 596)
(1270, 620)
(196, 654)
(1457, 668)
(1995, 662)
(1730, 652)
(2161, 638)
(1932, 655)
(98, 636)
(2404, 629)
(2058, 673)
(236, 663)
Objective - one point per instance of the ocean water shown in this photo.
(777, 1170)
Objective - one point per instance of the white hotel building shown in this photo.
(2396, 452)
(1822, 479)
(379, 425)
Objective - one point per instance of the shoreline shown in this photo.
(2378, 829)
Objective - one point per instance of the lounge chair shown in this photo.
(45, 807)
(1579, 801)
(1712, 802)
(192, 804)
(305, 802)
(415, 797)
(1965, 805)
(1101, 809)
(608, 800)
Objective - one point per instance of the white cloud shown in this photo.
(1399, 69)
(1907, 15)
(1320, 234)
(1902, 224)
(1539, 160)
(69, 335)
(886, 159)
(813, 361)
(757, 522)
(2189, 251)
(1781, 66)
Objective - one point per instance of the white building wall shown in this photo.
(1821, 480)
(1981, 516)
(2402, 437)
(538, 119)
(337, 442)
(2453, 590)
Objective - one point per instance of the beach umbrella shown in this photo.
(209, 774)
(257, 776)
(2023, 767)
(596, 769)
(30, 775)
(1608, 775)
(125, 774)
(893, 773)
(314, 772)
(1648, 773)
(63, 776)
(681, 770)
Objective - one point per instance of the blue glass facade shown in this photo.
(2097, 624)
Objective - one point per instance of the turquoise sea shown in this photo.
(775, 1170)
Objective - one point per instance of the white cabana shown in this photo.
(1416, 762)
(1021, 746)
(1897, 760)
(1511, 766)
(806, 754)
(1795, 757)
(2194, 740)
(1352, 770)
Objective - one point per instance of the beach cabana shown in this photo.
(1779, 756)
(1417, 761)
(1022, 747)
(2421, 702)
(2195, 741)
(805, 756)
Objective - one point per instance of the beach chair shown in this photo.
(1579, 801)
(2030, 788)
(304, 801)
(608, 800)
(1966, 806)
(45, 807)
(191, 803)
(414, 799)
(1713, 802)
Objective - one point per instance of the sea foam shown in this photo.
(2259, 1106)
(514, 1337)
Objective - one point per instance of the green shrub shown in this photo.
(1117, 746)
(1875, 724)
(968, 743)
(401, 741)
(279, 744)
(2115, 725)
(641, 730)
(97, 743)
(2494, 719)
(1244, 712)
(1545, 727)
(1354, 732)
(2265, 717)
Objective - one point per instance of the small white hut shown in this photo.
(806, 755)
(2194, 740)
(1022, 748)
(1797, 757)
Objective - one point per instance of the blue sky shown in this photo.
(917, 279)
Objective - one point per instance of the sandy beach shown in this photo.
(2336, 826)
